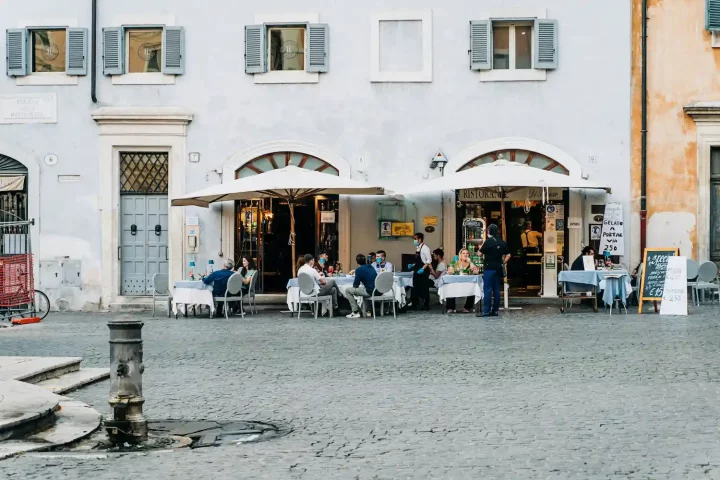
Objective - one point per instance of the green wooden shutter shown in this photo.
(255, 49)
(113, 51)
(480, 45)
(712, 15)
(546, 44)
(318, 48)
(76, 48)
(173, 55)
(16, 56)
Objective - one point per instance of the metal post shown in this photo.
(129, 425)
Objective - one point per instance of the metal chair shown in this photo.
(692, 273)
(707, 279)
(161, 286)
(638, 281)
(383, 293)
(309, 295)
(233, 293)
(251, 291)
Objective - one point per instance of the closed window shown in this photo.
(286, 48)
(144, 50)
(49, 50)
(47, 54)
(512, 47)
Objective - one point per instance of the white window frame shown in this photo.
(142, 21)
(46, 78)
(511, 75)
(291, 76)
(424, 75)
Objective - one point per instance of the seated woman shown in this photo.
(247, 271)
(462, 267)
(579, 264)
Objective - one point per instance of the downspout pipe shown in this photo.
(93, 54)
(643, 132)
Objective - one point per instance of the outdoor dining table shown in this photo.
(459, 286)
(613, 283)
(192, 292)
(342, 284)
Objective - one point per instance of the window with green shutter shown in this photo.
(45, 50)
(144, 49)
(712, 15)
(289, 47)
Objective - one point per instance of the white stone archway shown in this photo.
(32, 163)
(236, 161)
(562, 158)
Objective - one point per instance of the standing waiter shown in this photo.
(421, 272)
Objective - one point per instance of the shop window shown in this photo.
(715, 204)
(513, 49)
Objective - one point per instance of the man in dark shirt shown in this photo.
(496, 253)
(579, 263)
(363, 285)
(219, 278)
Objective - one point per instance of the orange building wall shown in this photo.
(682, 68)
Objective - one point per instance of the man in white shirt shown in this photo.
(381, 264)
(421, 273)
(327, 286)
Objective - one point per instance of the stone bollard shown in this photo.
(128, 425)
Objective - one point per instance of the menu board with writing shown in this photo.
(674, 301)
(655, 263)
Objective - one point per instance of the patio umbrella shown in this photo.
(290, 183)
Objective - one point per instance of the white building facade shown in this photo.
(191, 94)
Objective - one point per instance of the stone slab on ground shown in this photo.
(74, 380)
(22, 404)
(34, 369)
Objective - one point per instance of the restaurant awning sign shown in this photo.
(519, 195)
(12, 183)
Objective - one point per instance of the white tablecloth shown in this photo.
(459, 286)
(196, 294)
(343, 283)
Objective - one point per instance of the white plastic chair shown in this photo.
(692, 273)
(233, 293)
(309, 295)
(161, 286)
(383, 293)
(707, 279)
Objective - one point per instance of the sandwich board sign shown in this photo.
(674, 299)
(652, 284)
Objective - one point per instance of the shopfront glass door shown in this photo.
(715, 205)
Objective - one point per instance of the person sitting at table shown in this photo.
(438, 267)
(327, 286)
(372, 257)
(463, 266)
(322, 263)
(219, 279)
(363, 285)
(299, 264)
(381, 264)
(579, 263)
(247, 270)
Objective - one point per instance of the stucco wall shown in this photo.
(582, 108)
(682, 69)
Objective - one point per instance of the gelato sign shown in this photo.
(28, 108)
(519, 195)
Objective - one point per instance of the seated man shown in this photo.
(381, 264)
(219, 279)
(579, 264)
(363, 285)
(327, 287)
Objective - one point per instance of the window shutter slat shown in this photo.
(76, 59)
(712, 15)
(173, 50)
(318, 48)
(254, 49)
(16, 56)
(546, 44)
(480, 45)
(113, 54)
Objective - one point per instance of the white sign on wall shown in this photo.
(674, 299)
(28, 108)
(574, 222)
(613, 231)
(327, 217)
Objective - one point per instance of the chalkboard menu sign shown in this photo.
(655, 262)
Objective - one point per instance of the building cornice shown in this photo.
(142, 121)
(703, 111)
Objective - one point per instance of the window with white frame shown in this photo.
(144, 52)
(291, 51)
(53, 51)
(401, 47)
(513, 49)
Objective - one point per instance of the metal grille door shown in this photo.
(144, 220)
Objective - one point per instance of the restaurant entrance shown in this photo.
(524, 270)
(262, 229)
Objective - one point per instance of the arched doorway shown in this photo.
(262, 226)
(533, 159)
(14, 210)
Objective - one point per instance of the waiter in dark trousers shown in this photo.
(421, 273)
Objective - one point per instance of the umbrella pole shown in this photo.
(292, 237)
(502, 214)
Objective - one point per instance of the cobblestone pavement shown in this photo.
(533, 394)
